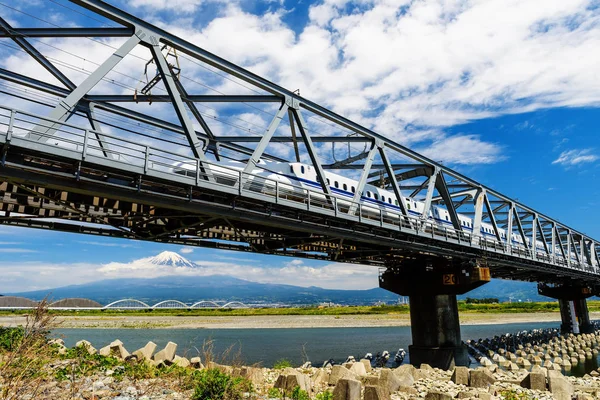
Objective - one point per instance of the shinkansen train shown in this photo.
(294, 177)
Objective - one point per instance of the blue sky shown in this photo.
(504, 91)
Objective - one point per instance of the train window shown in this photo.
(390, 200)
(336, 184)
(383, 198)
(447, 218)
(396, 201)
(408, 205)
(345, 187)
(368, 194)
(292, 169)
(328, 183)
(353, 189)
(302, 169)
(376, 196)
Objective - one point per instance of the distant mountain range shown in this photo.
(189, 289)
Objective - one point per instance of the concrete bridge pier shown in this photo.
(572, 301)
(432, 285)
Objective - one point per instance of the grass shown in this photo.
(517, 307)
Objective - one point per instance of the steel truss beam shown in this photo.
(401, 165)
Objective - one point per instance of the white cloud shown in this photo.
(16, 250)
(179, 6)
(574, 157)
(19, 276)
(187, 250)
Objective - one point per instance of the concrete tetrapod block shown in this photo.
(376, 393)
(339, 372)
(181, 361)
(460, 376)
(347, 389)
(145, 353)
(256, 375)
(196, 362)
(320, 377)
(534, 381)
(406, 369)
(481, 378)
(167, 354)
(559, 386)
(86, 345)
(389, 381)
(367, 365)
(436, 395)
(115, 349)
(288, 382)
(359, 369)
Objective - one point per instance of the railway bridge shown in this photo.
(97, 151)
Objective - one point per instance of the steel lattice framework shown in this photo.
(105, 164)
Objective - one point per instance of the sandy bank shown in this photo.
(277, 321)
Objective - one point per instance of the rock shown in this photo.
(196, 362)
(389, 381)
(257, 376)
(435, 395)
(145, 353)
(408, 390)
(375, 393)
(288, 382)
(359, 369)
(460, 376)
(347, 389)
(320, 377)
(167, 354)
(584, 396)
(534, 381)
(406, 369)
(86, 345)
(481, 378)
(559, 386)
(115, 349)
(367, 365)
(466, 395)
(339, 372)
(181, 361)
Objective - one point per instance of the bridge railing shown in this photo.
(30, 131)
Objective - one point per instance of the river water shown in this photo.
(266, 346)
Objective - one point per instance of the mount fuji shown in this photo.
(186, 281)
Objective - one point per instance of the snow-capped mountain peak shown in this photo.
(171, 259)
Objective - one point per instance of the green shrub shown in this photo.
(326, 395)
(282, 363)
(299, 394)
(10, 338)
(274, 393)
(213, 384)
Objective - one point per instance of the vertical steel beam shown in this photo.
(534, 236)
(509, 226)
(569, 241)
(478, 204)
(68, 104)
(363, 179)
(442, 188)
(266, 138)
(430, 186)
(293, 130)
(560, 244)
(553, 242)
(312, 153)
(184, 119)
(97, 129)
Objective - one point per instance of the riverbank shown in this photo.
(146, 321)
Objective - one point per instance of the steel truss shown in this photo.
(98, 179)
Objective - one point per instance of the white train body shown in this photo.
(292, 178)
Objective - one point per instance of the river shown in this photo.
(266, 346)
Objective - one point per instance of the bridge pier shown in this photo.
(572, 301)
(432, 285)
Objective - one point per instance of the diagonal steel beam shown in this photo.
(430, 186)
(312, 153)
(573, 247)
(492, 217)
(541, 233)
(363, 179)
(68, 104)
(266, 138)
(392, 177)
(184, 119)
(442, 188)
(293, 131)
(33, 52)
(520, 227)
